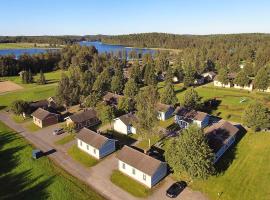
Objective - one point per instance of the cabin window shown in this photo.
(81, 143)
(94, 151)
(144, 177)
(87, 147)
(133, 171)
(123, 166)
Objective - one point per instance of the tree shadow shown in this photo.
(226, 160)
(2, 107)
(16, 183)
(211, 105)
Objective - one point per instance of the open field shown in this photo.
(8, 86)
(22, 45)
(22, 177)
(248, 175)
(31, 92)
(129, 185)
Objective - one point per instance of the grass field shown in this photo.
(230, 107)
(248, 175)
(65, 139)
(30, 126)
(31, 92)
(20, 118)
(21, 177)
(129, 185)
(82, 157)
(22, 45)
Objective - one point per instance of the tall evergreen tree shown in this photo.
(117, 84)
(223, 76)
(191, 154)
(42, 79)
(191, 99)
(241, 79)
(168, 95)
(131, 89)
(261, 80)
(189, 77)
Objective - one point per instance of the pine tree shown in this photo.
(42, 79)
(126, 105)
(136, 73)
(261, 80)
(105, 113)
(191, 99)
(223, 76)
(189, 77)
(241, 79)
(256, 116)
(131, 89)
(168, 95)
(116, 84)
(191, 154)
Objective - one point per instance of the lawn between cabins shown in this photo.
(22, 177)
(82, 157)
(129, 185)
(65, 139)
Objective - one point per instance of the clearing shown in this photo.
(8, 86)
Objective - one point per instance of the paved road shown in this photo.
(98, 177)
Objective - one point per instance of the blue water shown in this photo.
(18, 52)
(102, 48)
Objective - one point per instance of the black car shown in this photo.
(175, 189)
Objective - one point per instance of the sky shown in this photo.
(112, 17)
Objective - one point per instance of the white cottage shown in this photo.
(141, 167)
(125, 124)
(95, 144)
(164, 111)
(220, 137)
(185, 117)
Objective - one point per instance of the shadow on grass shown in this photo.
(18, 185)
(2, 107)
(228, 157)
(121, 138)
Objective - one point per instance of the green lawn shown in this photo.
(19, 118)
(230, 107)
(22, 45)
(144, 144)
(82, 157)
(32, 127)
(22, 177)
(31, 92)
(248, 175)
(65, 139)
(129, 185)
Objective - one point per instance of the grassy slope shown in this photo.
(128, 184)
(248, 175)
(21, 177)
(31, 92)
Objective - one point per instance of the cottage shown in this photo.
(111, 99)
(125, 124)
(44, 118)
(47, 104)
(164, 111)
(94, 144)
(86, 118)
(209, 76)
(220, 137)
(185, 117)
(248, 87)
(231, 77)
(141, 167)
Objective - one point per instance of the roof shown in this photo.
(92, 138)
(109, 95)
(139, 160)
(41, 114)
(211, 73)
(162, 107)
(83, 116)
(190, 114)
(128, 119)
(219, 133)
(40, 103)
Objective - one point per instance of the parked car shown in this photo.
(36, 153)
(58, 131)
(175, 189)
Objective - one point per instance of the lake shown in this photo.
(102, 48)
